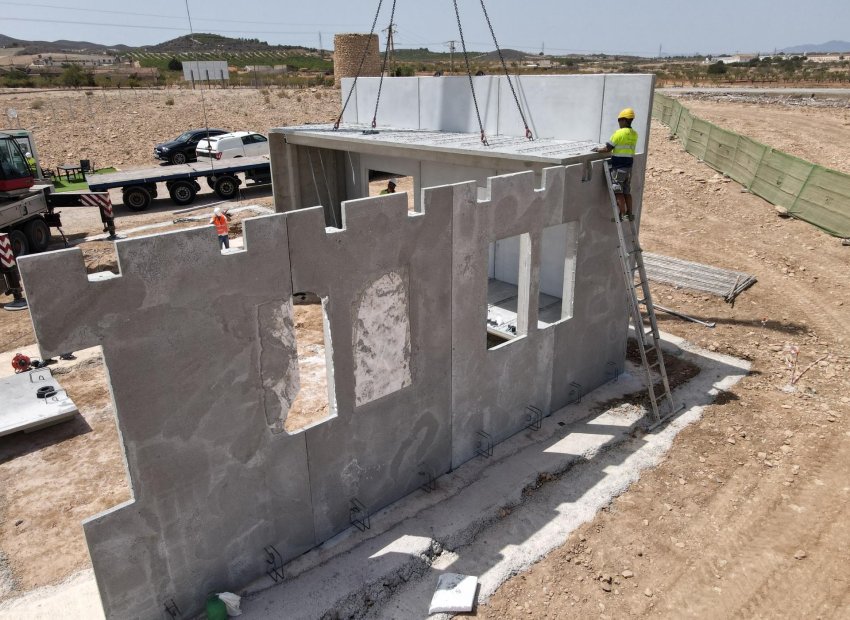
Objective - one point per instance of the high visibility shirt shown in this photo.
(623, 143)
(220, 224)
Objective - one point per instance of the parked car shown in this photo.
(236, 144)
(182, 148)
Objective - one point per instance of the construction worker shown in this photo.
(390, 187)
(31, 163)
(622, 145)
(220, 221)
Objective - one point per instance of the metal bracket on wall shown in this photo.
(574, 395)
(358, 516)
(484, 446)
(430, 483)
(172, 609)
(533, 418)
(275, 562)
(587, 174)
(612, 372)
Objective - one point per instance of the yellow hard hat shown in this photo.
(626, 113)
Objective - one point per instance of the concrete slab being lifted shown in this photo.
(22, 410)
(445, 146)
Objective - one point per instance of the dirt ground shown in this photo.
(746, 517)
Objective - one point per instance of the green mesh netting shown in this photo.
(812, 193)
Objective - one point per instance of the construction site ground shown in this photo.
(746, 516)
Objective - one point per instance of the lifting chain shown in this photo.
(383, 70)
(360, 66)
(469, 75)
(528, 133)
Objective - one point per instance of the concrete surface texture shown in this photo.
(478, 520)
(560, 107)
(201, 356)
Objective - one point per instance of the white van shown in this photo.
(231, 145)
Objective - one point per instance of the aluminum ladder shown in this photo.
(641, 309)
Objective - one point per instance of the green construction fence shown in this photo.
(812, 193)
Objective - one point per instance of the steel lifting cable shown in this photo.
(528, 133)
(469, 75)
(360, 66)
(383, 70)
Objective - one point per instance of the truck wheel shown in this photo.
(226, 187)
(38, 234)
(182, 192)
(178, 158)
(19, 243)
(136, 198)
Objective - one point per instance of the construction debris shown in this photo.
(454, 594)
(686, 274)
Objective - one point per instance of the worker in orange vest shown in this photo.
(220, 221)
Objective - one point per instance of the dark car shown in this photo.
(182, 148)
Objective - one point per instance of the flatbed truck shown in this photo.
(139, 187)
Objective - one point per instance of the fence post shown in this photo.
(758, 166)
(735, 151)
(802, 187)
(679, 107)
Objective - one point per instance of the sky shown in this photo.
(639, 27)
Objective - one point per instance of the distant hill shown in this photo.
(41, 47)
(822, 48)
(203, 42)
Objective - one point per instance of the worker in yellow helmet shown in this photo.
(622, 145)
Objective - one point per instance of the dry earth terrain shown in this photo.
(746, 517)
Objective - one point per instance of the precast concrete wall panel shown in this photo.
(628, 91)
(565, 107)
(569, 107)
(595, 336)
(492, 387)
(182, 333)
(399, 105)
(374, 452)
(446, 104)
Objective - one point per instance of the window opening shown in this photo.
(379, 183)
(315, 401)
(559, 249)
(507, 289)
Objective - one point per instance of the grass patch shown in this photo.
(78, 183)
